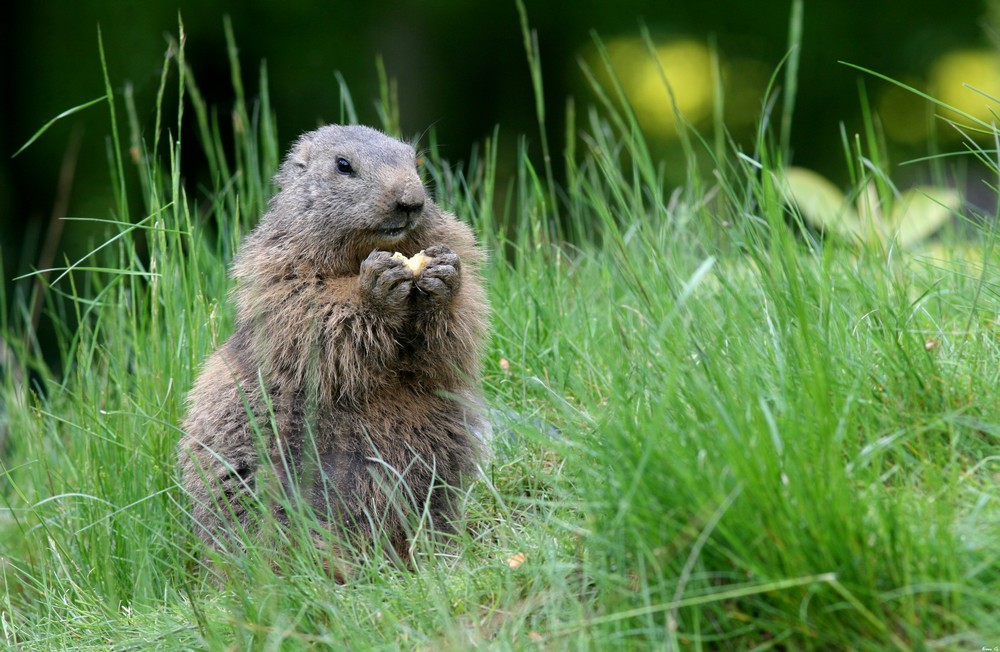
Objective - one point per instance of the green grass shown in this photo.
(761, 443)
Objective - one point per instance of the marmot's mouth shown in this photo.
(394, 232)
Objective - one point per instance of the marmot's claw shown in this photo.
(441, 256)
(438, 250)
(380, 260)
(440, 280)
(434, 288)
(385, 280)
(444, 260)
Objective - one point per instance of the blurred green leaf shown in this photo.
(920, 212)
(911, 217)
(822, 205)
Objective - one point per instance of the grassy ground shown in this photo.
(760, 443)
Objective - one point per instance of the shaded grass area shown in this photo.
(759, 442)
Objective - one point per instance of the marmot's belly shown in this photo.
(367, 478)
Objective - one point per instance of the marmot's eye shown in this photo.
(344, 166)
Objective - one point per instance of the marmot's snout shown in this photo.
(405, 206)
(410, 198)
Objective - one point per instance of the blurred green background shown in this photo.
(461, 69)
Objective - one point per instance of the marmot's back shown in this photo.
(370, 367)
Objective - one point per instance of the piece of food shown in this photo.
(416, 263)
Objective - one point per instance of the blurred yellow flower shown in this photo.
(963, 79)
(687, 66)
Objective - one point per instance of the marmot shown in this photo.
(359, 374)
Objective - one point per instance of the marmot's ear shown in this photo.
(295, 162)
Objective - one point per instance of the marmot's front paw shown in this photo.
(385, 281)
(441, 277)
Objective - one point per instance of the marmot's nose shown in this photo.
(411, 199)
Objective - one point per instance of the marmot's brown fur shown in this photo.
(355, 373)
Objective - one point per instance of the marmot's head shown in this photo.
(345, 191)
